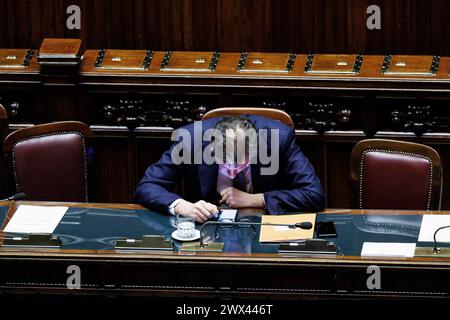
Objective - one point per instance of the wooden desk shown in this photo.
(240, 275)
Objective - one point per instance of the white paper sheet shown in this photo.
(432, 222)
(388, 249)
(35, 219)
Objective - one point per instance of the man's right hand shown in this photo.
(201, 211)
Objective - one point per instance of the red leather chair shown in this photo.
(388, 174)
(49, 161)
(276, 114)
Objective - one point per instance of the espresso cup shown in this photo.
(185, 227)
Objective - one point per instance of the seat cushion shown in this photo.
(51, 167)
(395, 180)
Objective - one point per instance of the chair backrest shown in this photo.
(388, 174)
(271, 113)
(49, 161)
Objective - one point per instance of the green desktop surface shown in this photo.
(100, 228)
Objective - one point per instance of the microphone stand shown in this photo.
(301, 225)
(15, 197)
(436, 250)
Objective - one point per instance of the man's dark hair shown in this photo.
(235, 123)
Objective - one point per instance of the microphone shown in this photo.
(301, 225)
(436, 250)
(15, 197)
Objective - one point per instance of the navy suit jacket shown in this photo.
(295, 187)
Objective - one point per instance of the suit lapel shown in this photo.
(256, 177)
(260, 182)
(208, 181)
(207, 173)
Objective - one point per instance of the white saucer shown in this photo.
(195, 237)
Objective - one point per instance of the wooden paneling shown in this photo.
(112, 171)
(300, 26)
(338, 26)
(338, 173)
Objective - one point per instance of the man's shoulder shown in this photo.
(268, 123)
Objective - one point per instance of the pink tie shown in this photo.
(227, 173)
(248, 180)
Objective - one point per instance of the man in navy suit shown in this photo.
(245, 181)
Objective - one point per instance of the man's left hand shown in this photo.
(238, 199)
